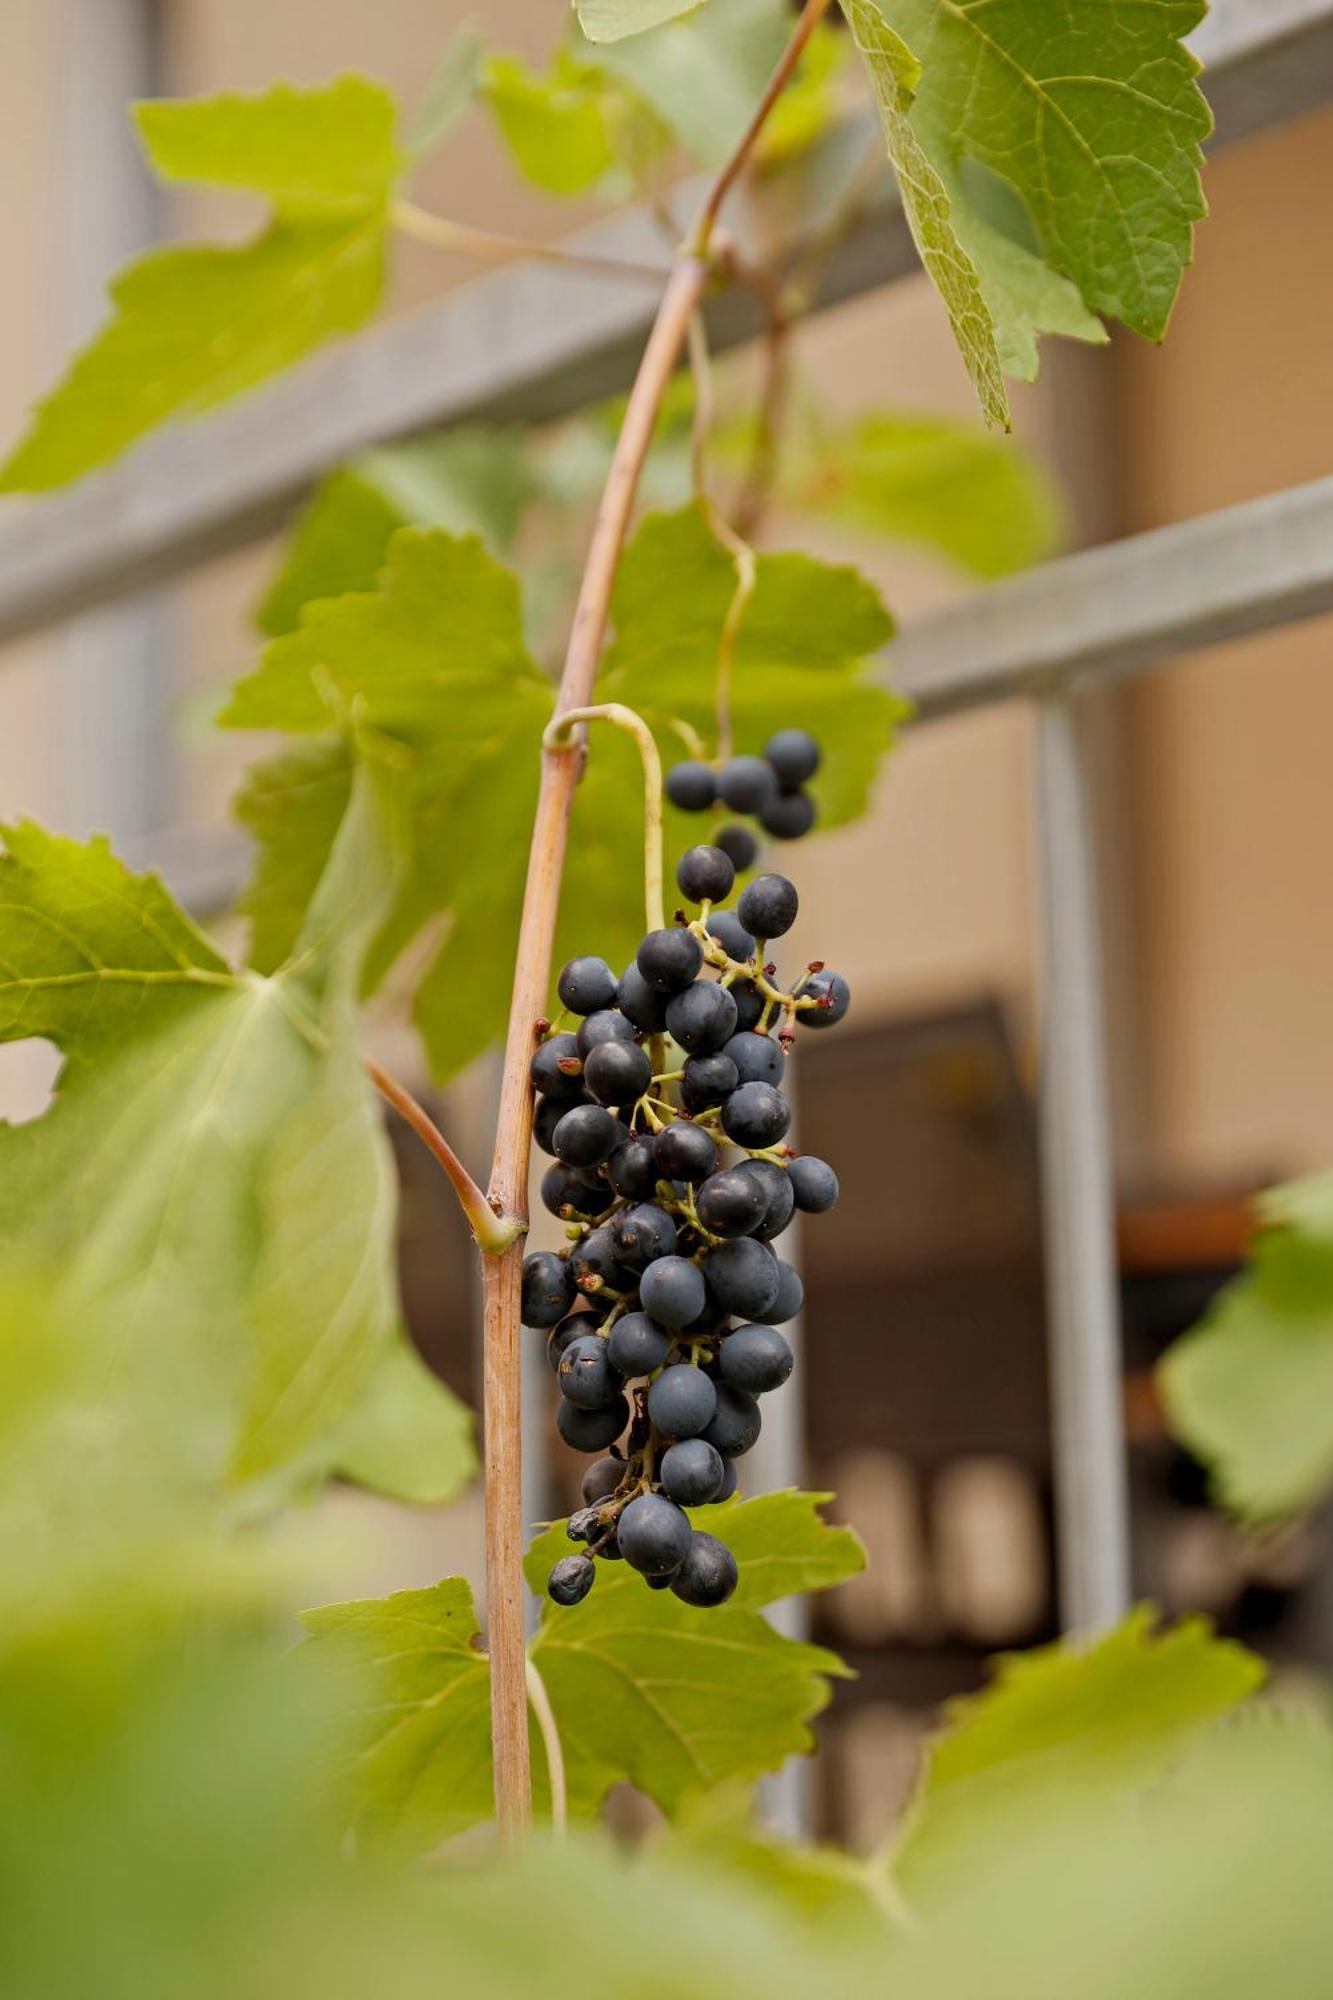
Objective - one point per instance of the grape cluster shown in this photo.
(665, 1116)
(770, 789)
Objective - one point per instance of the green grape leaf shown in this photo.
(191, 327)
(1024, 295)
(292, 806)
(408, 1437)
(702, 74)
(895, 76)
(1250, 1389)
(637, 1680)
(559, 127)
(469, 480)
(982, 501)
(452, 90)
(613, 20)
(318, 152)
(1061, 1723)
(1093, 115)
(211, 1173)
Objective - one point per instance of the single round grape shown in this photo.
(601, 1479)
(572, 1327)
(632, 1169)
(672, 1291)
(641, 1003)
(790, 1296)
(731, 934)
(814, 1184)
(758, 1058)
(637, 1346)
(790, 816)
(585, 1373)
(684, 1152)
(692, 1472)
(617, 1072)
(567, 1192)
(706, 1081)
(586, 1136)
(834, 995)
(743, 1276)
(653, 1535)
(591, 1430)
(548, 1288)
(757, 1115)
(670, 959)
(731, 1204)
(730, 1479)
(707, 1575)
(545, 1071)
(739, 844)
(546, 1116)
(750, 1004)
(691, 786)
(794, 755)
(746, 784)
(585, 985)
(755, 1358)
(606, 1025)
(571, 1579)
(736, 1422)
(682, 1401)
(768, 906)
(779, 1200)
(702, 1018)
(644, 1233)
(705, 875)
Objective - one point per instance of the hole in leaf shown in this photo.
(28, 1072)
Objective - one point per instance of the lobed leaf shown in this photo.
(642, 1686)
(702, 71)
(1062, 1724)
(1250, 1389)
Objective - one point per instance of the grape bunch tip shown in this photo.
(770, 788)
(666, 1121)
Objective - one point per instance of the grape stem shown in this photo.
(557, 737)
(502, 1274)
(489, 247)
(492, 1232)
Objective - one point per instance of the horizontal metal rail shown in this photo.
(529, 343)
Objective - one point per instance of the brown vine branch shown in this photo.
(561, 765)
(493, 1232)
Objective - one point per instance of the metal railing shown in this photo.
(534, 344)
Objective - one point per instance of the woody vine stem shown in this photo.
(499, 1219)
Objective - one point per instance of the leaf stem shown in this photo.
(628, 719)
(487, 246)
(492, 1232)
(555, 1755)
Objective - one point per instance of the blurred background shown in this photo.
(923, 1374)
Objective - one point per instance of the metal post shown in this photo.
(1082, 1301)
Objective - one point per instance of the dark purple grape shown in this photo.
(789, 817)
(790, 1295)
(707, 1574)
(632, 1169)
(601, 1480)
(758, 1058)
(617, 1072)
(746, 784)
(572, 1327)
(692, 1472)
(768, 906)
(794, 756)
(834, 995)
(641, 1003)
(672, 1291)
(750, 1005)
(702, 1018)
(813, 1183)
(571, 1579)
(755, 1358)
(546, 1116)
(591, 1430)
(567, 1192)
(705, 875)
(585, 985)
(586, 1136)
(731, 934)
(585, 1373)
(644, 1233)
(743, 1276)
(691, 787)
(653, 1535)
(730, 1203)
(757, 1115)
(736, 1423)
(706, 1081)
(546, 1073)
(637, 1346)
(548, 1288)
(684, 1152)
(670, 959)
(682, 1401)
(607, 1025)
(739, 844)
(779, 1199)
